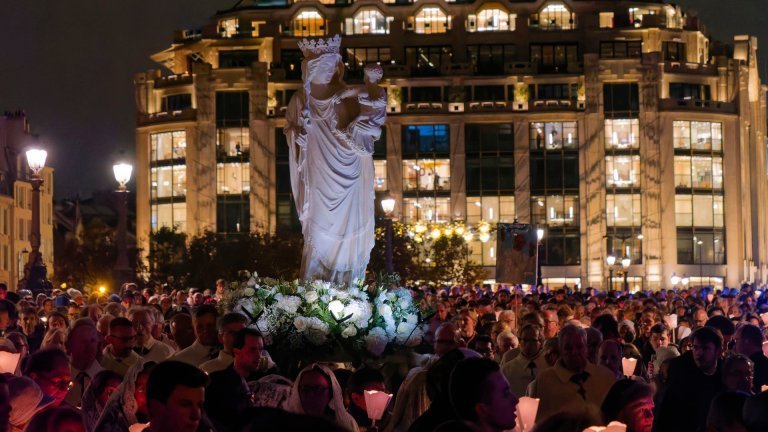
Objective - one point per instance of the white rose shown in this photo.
(336, 307)
(300, 323)
(405, 302)
(349, 331)
(310, 296)
(412, 319)
(385, 311)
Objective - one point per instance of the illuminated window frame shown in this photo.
(308, 22)
(367, 20)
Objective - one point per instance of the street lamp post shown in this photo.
(537, 272)
(701, 267)
(122, 268)
(388, 206)
(610, 260)
(625, 262)
(34, 270)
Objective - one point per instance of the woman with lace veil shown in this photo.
(126, 410)
(96, 396)
(316, 392)
(331, 166)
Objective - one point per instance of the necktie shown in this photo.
(532, 367)
(580, 379)
(80, 380)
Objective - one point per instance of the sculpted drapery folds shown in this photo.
(331, 130)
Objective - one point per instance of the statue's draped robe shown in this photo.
(332, 179)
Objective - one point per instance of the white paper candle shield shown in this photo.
(629, 365)
(375, 403)
(527, 408)
(613, 426)
(671, 320)
(763, 388)
(764, 317)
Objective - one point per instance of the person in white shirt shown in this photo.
(118, 356)
(229, 324)
(146, 346)
(83, 347)
(205, 347)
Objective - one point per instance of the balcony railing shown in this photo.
(697, 105)
(690, 68)
(174, 80)
(188, 114)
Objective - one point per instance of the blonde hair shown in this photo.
(49, 340)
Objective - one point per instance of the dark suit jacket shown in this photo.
(685, 403)
(226, 398)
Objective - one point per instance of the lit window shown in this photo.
(232, 142)
(232, 178)
(228, 27)
(622, 171)
(427, 209)
(698, 135)
(493, 17)
(554, 135)
(606, 19)
(167, 146)
(367, 20)
(554, 16)
(709, 211)
(623, 210)
(622, 133)
(169, 216)
(555, 210)
(168, 181)
(380, 175)
(491, 209)
(429, 20)
(308, 22)
(427, 175)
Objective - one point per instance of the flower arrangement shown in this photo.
(323, 317)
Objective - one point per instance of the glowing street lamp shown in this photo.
(625, 262)
(122, 173)
(388, 207)
(34, 270)
(537, 272)
(610, 260)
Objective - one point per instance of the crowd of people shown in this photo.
(159, 359)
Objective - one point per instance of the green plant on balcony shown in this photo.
(394, 96)
(521, 93)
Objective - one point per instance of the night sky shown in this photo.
(70, 66)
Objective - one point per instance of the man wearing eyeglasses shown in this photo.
(49, 368)
(118, 355)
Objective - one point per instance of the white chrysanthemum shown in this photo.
(376, 341)
(360, 312)
(337, 308)
(311, 296)
(289, 304)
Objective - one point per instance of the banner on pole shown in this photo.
(516, 253)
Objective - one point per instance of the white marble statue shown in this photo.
(331, 130)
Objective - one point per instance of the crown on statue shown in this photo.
(312, 48)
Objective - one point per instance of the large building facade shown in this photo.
(615, 125)
(16, 202)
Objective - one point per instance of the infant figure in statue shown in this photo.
(330, 137)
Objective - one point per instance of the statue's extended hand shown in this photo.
(346, 93)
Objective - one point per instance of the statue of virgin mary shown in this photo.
(331, 137)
